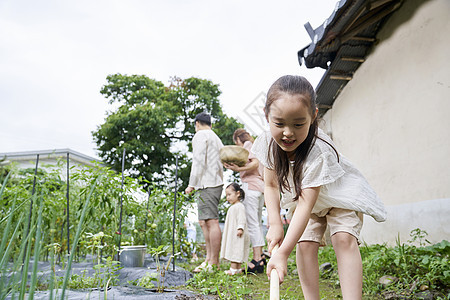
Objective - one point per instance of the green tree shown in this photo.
(154, 122)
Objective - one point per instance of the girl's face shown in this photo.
(289, 121)
(232, 195)
(238, 142)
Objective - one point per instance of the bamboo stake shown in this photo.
(67, 205)
(274, 281)
(121, 206)
(174, 212)
(146, 216)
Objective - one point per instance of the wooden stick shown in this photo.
(274, 281)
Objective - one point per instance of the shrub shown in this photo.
(414, 266)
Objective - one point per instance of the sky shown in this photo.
(55, 57)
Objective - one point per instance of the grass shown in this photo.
(416, 269)
(256, 286)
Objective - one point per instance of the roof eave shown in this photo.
(341, 44)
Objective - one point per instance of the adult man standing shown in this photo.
(207, 177)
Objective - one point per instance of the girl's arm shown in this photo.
(241, 221)
(300, 219)
(272, 199)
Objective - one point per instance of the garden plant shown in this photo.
(421, 272)
(33, 226)
(33, 229)
(148, 279)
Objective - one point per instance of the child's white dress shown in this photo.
(342, 185)
(234, 248)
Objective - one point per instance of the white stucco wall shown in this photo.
(392, 120)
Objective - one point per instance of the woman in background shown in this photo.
(253, 185)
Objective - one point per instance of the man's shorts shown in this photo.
(338, 219)
(208, 202)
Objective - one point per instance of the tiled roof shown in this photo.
(341, 43)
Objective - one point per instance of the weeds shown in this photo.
(417, 268)
(218, 283)
(160, 274)
(414, 266)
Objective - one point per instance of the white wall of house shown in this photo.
(392, 120)
(48, 159)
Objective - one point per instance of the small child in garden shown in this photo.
(235, 240)
(318, 186)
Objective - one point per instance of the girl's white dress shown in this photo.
(342, 185)
(234, 248)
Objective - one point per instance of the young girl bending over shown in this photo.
(235, 239)
(318, 186)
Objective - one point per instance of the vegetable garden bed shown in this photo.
(35, 225)
(78, 260)
(126, 285)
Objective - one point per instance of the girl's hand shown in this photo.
(232, 167)
(278, 261)
(240, 232)
(275, 235)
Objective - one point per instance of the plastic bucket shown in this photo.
(132, 256)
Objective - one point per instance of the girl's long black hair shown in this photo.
(293, 85)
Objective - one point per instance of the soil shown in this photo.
(121, 292)
(124, 289)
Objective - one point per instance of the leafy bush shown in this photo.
(414, 266)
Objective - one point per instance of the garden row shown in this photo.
(33, 228)
(36, 224)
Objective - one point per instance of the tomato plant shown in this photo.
(145, 220)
